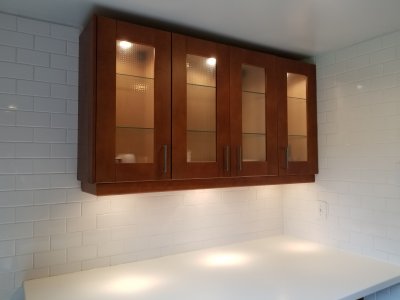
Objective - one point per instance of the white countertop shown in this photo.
(276, 268)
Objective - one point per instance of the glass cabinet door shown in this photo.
(200, 108)
(298, 140)
(134, 136)
(253, 113)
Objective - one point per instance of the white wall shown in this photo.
(359, 155)
(47, 225)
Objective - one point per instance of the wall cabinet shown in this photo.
(165, 111)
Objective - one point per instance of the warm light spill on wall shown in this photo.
(131, 284)
(211, 61)
(125, 45)
(226, 260)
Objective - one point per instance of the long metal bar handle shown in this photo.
(165, 166)
(240, 158)
(287, 156)
(227, 158)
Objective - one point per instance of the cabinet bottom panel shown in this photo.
(175, 185)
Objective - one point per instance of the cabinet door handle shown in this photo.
(227, 158)
(239, 158)
(165, 166)
(287, 157)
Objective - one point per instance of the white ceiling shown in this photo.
(304, 27)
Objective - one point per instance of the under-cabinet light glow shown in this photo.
(211, 61)
(12, 107)
(302, 247)
(131, 284)
(225, 260)
(125, 45)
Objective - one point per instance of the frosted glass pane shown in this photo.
(297, 150)
(253, 79)
(253, 113)
(296, 86)
(135, 101)
(134, 145)
(201, 108)
(200, 70)
(135, 59)
(297, 116)
(253, 147)
(201, 146)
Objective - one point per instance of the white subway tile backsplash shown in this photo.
(49, 105)
(33, 26)
(64, 32)
(65, 210)
(384, 55)
(50, 75)
(33, 88)
(81, 223)
(64, 91)
(65, 268)
(16, 102)
(8, 53)
(50, 196)
(100, 262)
(32, 182)
(18, 71)
(64, 181)
(16, 39)
(72, 78)
(7, 117)
(32, 213)
(8, 85)
(64, 62)
(16, 263)
(73, 49)
(46, 259)
(64, 150)
(7, 215)
(48, 166)
(8, 21)
(50, 45)
(16, 134)
(49, 227)
(32, 57)
(82, 253)
(21, 276)
(16, 231)
(33, 119)
(7, 248)
(32, 245)
(64, 241)
(49, 135)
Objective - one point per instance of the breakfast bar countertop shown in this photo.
(274, 268)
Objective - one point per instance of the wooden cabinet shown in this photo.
(164, 111)
(200, 108)
(125, 101)
(253, 113)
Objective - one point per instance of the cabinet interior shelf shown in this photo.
(251, 92)
(200, 131)
(201, 85)
(135, 127)
(253, 133)
(135, 76)
(297, 98)
(297, 135)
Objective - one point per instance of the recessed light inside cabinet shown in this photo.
(211, 61)
(125, 45)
